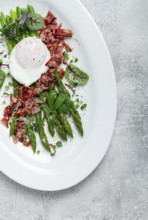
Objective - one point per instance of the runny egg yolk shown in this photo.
(28, 60)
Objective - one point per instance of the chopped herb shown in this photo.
(77, 106)
(59, 144)
(38, 152)
(66, 56)
(67, 50)
(76, 59)
(78, 103)
(83, 107)
(7, 88)
(6, 94)
(4, 102)
(75, 84)
(5, 55)
(10, 84)
(1, 62)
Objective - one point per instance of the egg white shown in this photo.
(24, 75)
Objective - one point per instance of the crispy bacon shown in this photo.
(30, 107)
(13, 100)
(20, 134)
(62, 33)
(26, 143)
(54, 37)
(46, 81)
(61, 72)
(50, 19)
(25, 92)
(7, 114)
(67, 46)
(17, 105)
(55, 61)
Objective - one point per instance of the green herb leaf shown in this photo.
(66, 56)
(10, 84)
(76, 59)
(35, 22)
(38, 151)
(4, 102)
(59, 144)
(83, 107)
(75, 75)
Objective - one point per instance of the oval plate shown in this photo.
(80, 156)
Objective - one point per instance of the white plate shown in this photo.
(79, 157)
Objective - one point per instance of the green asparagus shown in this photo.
(12, 126)
(75, 114)
(48, 116)
(30, 9)
(19, 12)
(66, 124)
(15, 87)
(77, 120)
(60, 84)
(59, 126)
(40, 130)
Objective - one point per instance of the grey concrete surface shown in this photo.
(118, 189)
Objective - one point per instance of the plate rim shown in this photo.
(5, 171)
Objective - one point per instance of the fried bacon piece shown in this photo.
(53, 35)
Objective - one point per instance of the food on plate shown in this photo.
(39, 64)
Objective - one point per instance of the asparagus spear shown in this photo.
(48, 116)
(75, 114)
(31, 135)
(19, 12)
(30, 9)
(13, 15)
(12, 126)
(15, 87)
(59, 126)
(40, 130)
(3, 19)
(66, 124)
(14, 120)
(60, 84)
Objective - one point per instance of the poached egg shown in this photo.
(28, 60)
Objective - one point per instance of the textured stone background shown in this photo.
(118, 189)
